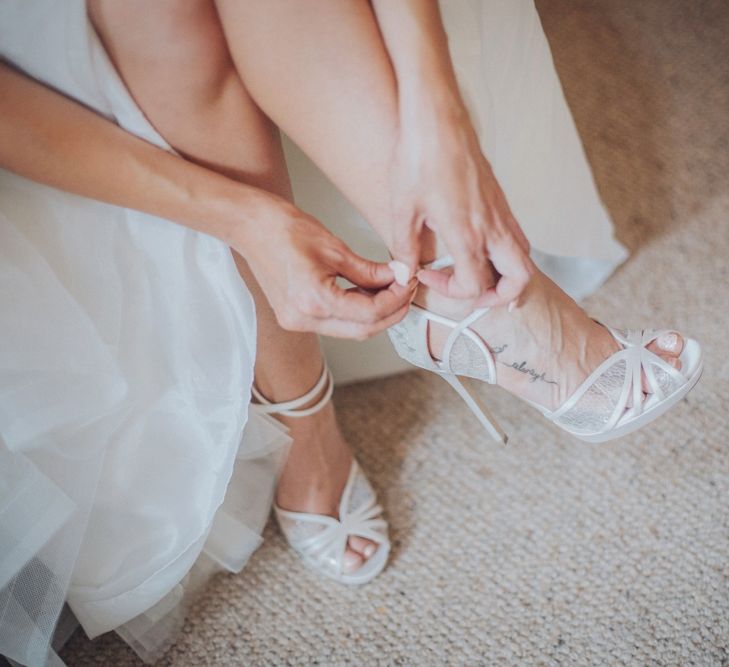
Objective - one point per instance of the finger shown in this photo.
(363, 272)
(357, 330)
(401, 271)
(406, 244)
(435, 280)
(504, 214)
(445, 282)
(369, 307)
(519, 234)
(505, 292)
(470, 278)
(516, 269)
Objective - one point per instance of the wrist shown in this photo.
(251, 213)
(229, 211)
(432, 95)
(433, 120)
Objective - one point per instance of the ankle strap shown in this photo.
(457, 327)
(293, 408)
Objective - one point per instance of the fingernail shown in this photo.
(668, 342)
(369, 550)
(401, 271)
(512, 306)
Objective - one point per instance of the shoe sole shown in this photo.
(372, 567)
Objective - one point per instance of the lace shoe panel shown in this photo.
(594, 408)
(406, 337)
(362, 492)
(297, 531)
(666, 381)
(468, 359)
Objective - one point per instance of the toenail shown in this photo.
(668, 342)
(369, 550)
(351, 560)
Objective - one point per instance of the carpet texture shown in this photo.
(547, 551)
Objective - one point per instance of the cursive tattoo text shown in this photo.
(522, 367)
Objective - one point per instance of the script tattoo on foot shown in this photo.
(522, 367)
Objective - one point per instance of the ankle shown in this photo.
(294, 382)
(288, 365)
(453, 309)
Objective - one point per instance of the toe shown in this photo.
(352, 561)
(366, 548)
(668, 345)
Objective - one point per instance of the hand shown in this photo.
(443, 181)
(296, 260)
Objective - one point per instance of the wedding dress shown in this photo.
(130, 465)
(128, 452)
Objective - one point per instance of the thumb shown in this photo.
(363, 272)
(406, 245)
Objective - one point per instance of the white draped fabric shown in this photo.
(130, 466)
(125, 372)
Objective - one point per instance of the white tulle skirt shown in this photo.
(130, 465)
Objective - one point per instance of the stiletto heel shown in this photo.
(476, 405)
(464, 354)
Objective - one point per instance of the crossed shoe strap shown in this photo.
(462, 329)
(638, 361)
(330, 543)
(293, 408)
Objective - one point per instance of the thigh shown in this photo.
(320, 70)
(174, 60)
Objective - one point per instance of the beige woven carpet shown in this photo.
(547, 551)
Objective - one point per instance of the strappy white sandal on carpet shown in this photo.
(321, 540)
(610, 402)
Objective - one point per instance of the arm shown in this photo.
(440, 168)
(48, 138)
(418, 48)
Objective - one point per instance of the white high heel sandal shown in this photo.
(321, 540)
(609, 403)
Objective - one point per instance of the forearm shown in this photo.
(50, 139)
(416, 41)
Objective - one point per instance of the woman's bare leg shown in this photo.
(174, 60)
(320, 70)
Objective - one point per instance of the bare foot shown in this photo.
(545, 348)
(316, 472)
